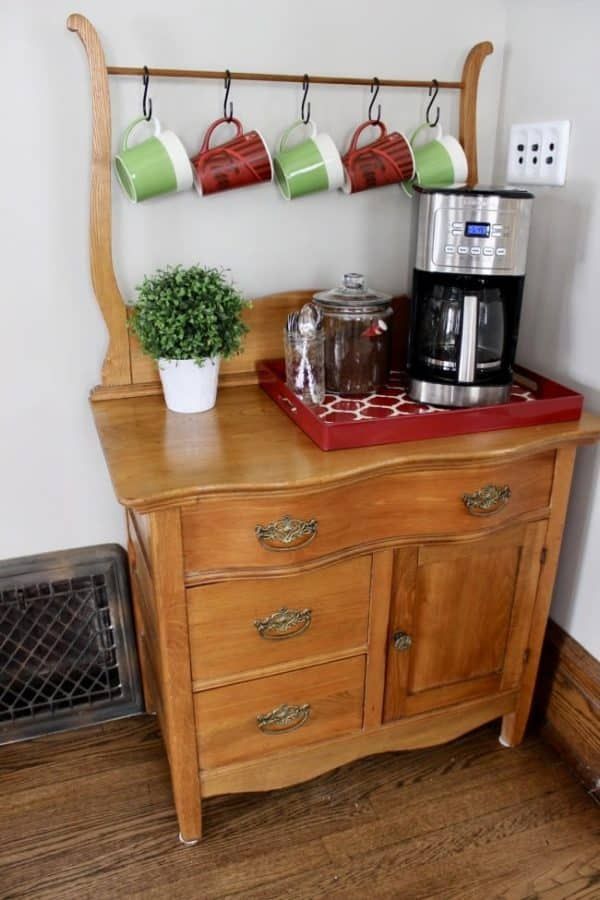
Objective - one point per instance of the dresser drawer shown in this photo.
(271, 715)
(276, 530)
(240, 626)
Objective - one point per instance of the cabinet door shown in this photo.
(459, 620)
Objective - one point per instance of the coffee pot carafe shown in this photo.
(461, 330)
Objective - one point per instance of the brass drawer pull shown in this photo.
(283, 719)
(283, 624)
(286, 531)
(401, 640)
(488, 500)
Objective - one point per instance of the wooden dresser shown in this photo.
(299, 609)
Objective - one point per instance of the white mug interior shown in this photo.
(347, 185)
(458, 158)
(178, 155)
(331, 159)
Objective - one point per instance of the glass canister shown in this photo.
(357, 325)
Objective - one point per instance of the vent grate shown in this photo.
(64, 657)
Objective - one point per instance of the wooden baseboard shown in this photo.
(568, 703)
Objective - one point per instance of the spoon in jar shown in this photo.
(308, 321)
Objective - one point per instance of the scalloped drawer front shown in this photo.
(247, 624)
(274, 530)
(271, 715)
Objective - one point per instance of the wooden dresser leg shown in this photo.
(189, 814)
(175, 671)
(185, 843)
(514, 724)
(512, 730)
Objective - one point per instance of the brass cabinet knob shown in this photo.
(286, 533)
(487, 501)
(283, 624)
(401, 640)
(283, 719)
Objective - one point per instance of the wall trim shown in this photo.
(568, 703)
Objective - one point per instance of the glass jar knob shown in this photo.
(354, 281)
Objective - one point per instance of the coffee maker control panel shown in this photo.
(475, 231)
(488, 244)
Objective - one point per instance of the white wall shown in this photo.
(551, 71)
(54, 486)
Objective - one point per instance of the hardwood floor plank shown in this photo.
(464, 770)
(59, 757)
(479, 870)
(424, 842)
(515, 871)
(408, 820)
(563, 875)
(89, 814)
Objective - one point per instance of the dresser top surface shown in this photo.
(157, 458)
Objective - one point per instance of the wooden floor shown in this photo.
(89, 815)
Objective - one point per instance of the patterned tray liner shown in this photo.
(388, 403)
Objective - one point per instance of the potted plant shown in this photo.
(188, 320)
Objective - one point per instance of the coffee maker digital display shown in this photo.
(477, 229)
(471, 247)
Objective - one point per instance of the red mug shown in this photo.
(239, 162)
(386, 160)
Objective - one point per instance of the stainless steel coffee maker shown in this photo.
(469, 272)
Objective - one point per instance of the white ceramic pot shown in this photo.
(187, 386)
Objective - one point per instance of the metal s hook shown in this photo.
(374, 87)
(305, 109)
(226, 115)
(433, 87)
(146, 100)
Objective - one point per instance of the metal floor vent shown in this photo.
(67, 646)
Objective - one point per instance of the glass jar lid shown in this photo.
(352, 294)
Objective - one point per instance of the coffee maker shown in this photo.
(469, 272)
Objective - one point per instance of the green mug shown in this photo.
(441, 162)
(312, 165)
(157, 165)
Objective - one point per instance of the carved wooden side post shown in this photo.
(116, 369)
(468, 105)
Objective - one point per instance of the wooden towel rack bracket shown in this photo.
(125, 371)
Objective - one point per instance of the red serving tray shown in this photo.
(390, 417)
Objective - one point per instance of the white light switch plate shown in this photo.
(537, 153)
